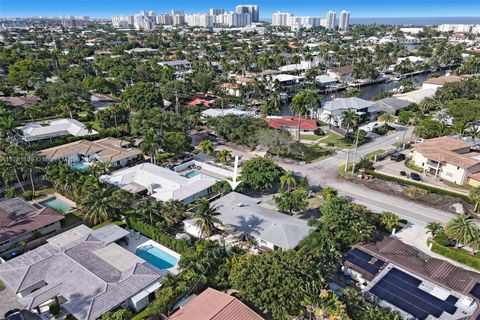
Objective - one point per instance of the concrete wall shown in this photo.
(29, 235)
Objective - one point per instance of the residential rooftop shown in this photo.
(92, 276)
(291, 122)
(18, 217)
(54, 128)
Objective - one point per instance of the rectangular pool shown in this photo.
(156, 257)
(56, 204)
(191, 174)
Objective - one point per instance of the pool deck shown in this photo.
(136, 240)
(58, 196)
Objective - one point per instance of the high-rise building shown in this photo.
(344, 20)
(122, 21)
(216, 11)
(251, 9)
(203, 20)
(281, 18)
(233, 19)
(178, 19)
(179, 12)
(164, 19)
(331, 20)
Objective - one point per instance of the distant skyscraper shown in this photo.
(344, 20)
(281, 18)
(331, 20)
(216, 11)
(178, 12)
(252, 9)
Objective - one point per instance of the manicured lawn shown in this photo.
(372, 154)
(310, 137)
(317, 153)
(337, 141)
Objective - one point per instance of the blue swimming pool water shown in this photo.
(79, 166)
(191, 174)
(156, 257)
(56, 204)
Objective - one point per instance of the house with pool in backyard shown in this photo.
(89, 272)
(186, 183)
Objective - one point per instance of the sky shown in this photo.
(358, 8)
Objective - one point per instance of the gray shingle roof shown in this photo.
(347, 103)
(243, 213)
(90, 284)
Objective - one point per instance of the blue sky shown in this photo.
(358, 8)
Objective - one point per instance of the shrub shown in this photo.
(319, 132)
(54, 308)
(415, 192)
(459, 255)
(169, 241)
(442, 239)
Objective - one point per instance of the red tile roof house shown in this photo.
(215, 305)
(291, 124)
(202, 98)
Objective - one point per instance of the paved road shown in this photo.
(324, 173)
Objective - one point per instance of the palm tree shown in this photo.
(434, 228)
(474, 195)
(288, 179)
(462, 229)
(151, 144)
(386, 119)
(389, 220)
(149, 211)
(328, 193)
(298, 106)
(330, 117)
(349, 118)
(206, 217)
(8, 127)
(271, 105)
(429, 104)
(101, 168)
(102, 204)
(207, 147)
(172, 212)
(223, 156)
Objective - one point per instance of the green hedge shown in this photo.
(169, 241)
(459, 255)
(419, 185)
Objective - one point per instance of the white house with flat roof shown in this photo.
(161, 183)
(49, 130)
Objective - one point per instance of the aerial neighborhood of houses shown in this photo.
(219, 166)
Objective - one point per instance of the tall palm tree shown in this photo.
(151, 144)
(149, 211)
(386, 119)
(288, 180)
(330, 117)
(103, 204)
(434, 228)
(349, 118)
(101, 168)
(207, 147)
(172, 212)
(8, 127)
(206, 217)
(462, 229)
(328, 193)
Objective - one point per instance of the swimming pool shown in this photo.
(79, 166)
(56, 204)
(191, 174)
(156, 257)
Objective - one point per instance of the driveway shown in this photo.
(8, 301)
(393, 168)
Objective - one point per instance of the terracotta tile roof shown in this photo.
(442, 80)
(435, 270)
(243, 79)
(215, 305)
(449, 150)
(108, 150)
(18, 217)
(290, 121)
(228, 85)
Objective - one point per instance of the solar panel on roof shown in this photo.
(362, 259)
(476, 291)
(401, 290)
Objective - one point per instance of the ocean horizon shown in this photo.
(416, 21)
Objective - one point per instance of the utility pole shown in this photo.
(176, 102)
(348, 158)
(355, 152)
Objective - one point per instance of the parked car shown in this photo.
(185, 158)
(397, 156)
(415, 176)
(403, 173)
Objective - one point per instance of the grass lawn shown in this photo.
(317, 153)
(337, 141)
(310, 137)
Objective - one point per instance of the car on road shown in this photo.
(185, 158)
(403, 173)
(415, 176)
